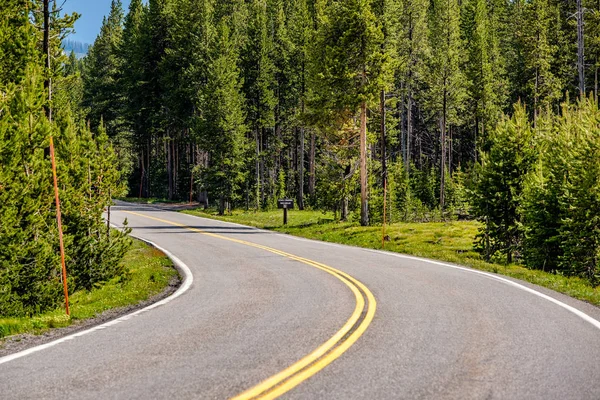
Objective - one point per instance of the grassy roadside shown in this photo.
(150, 272)
(445, 241)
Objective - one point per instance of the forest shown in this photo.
(480, 109)
(442, 109)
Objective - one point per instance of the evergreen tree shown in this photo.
(543, 88)
(348, 70)
(413, 52)
(102, 95)
(16, 47)
(300, 32)
(258, 73)
(592, 40)
(446, 80)
(562, 206)
(222, 126)
(130, 84)
(499, 185)
(483, 69)
(29, 264)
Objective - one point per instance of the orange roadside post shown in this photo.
(60, 231)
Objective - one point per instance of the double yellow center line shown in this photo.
(323, 355)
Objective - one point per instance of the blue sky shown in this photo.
(92, 12)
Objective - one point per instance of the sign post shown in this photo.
(285, 204)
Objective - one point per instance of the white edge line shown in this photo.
(509, 282)
(187, 282)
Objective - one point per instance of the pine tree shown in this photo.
(29, 264)
(258, 73)
(102, 95)
(499, 185)
(562, 206)
(16, 46)
(221, 127)
(484, 69)
(446, 80)
(348, 69)
(543, 88)
(413, 53)
(592, 40)
(130, 84)
(300, 32)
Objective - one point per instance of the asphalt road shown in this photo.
(438, 332)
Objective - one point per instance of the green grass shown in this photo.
(445, 241)
(150, 272)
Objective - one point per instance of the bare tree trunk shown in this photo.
(301, 171)
(443, 158)
(311, 165)
(175, 168)
(596, 83)
(46, 45)
(383, 138)
(169, 168)
(149, 155)
(221, 205)
(364, 205)
(475, 138)
(409, 131)
(142, 174)
(450, 151)
(402, 121)
(344, 208)
(580, 49)
(257, 168)
(535, 98)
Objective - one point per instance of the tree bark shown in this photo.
(402, 122)
(364, 205)
(409, 130)
(596, 83)
(257, 169)
(169, 169)
(301, 171)
(142, 173)
(344, 208)
(443, 158)
(311, 165)
(580, 50)
(46, 46)
(383, 138)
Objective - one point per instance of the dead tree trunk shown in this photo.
(443, 158)
(311, 165)
(46, 46)
(364, 205)
(383, 138)
(580, 49)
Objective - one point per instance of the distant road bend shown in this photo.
(270, 315)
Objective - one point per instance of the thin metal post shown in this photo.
(60, 230)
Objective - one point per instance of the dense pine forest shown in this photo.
(475, 109)
(472, 109)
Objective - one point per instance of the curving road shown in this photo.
(351, 323)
